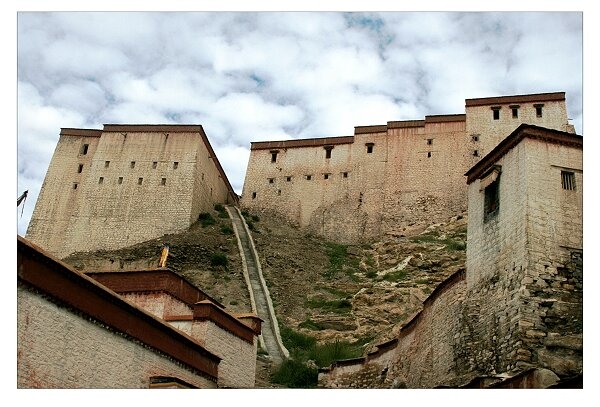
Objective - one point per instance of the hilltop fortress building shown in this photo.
(111, 188)
(386, 177)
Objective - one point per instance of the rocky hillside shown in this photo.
(329, 291)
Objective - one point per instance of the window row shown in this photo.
(131, 165)
(309, 177)
(514, 109)
(328, 150)
(140, 181)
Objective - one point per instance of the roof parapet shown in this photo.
(534, 97)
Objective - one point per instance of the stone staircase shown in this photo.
(270, 338)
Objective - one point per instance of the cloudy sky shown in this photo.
(252, 76)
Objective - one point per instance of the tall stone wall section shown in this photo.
(238, 365)
(64, 350)
(130, 184)
(413, 171)
(521, 304)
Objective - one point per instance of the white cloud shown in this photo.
(265, 76)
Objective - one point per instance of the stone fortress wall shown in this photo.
(386, 177)
(111, 188)
(515, 317)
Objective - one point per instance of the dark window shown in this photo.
(163, 181)
(538, 110)
(370, 147)
(84, 149)
(496, 113)
(491, 200)
(308, 177)
(74, 185)
(475, 137)
(428, 154)
(274, 156)
(328, 151)
(476, 153)
(100, 180)
(345, 174)
(253, 195)
(140, 180)
(515, 111)
(325, 176)
(175, 165)
(271, 180)
(279, 192)
(132, 164)
(429, 141)
(120, 180)
(568, 180)
(80, 168)
(288, 179)
(154, 164)
(106, 164)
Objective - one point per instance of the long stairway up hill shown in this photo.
(270, 339)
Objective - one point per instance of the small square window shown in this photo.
(476, 153)
(475, 137)
(140, 180)
(496, 113)
(106, 164)
(325, 176)
(74, 185)
(120, 180)
(100, 180)
(279, 192)
(328, 151)
(370, 147)
(429, 141)
(271, 180)
(132, 164)
(429, 154)
(154, 164)
(175, 165)
(515, 112)
(538, 109)
(288, 179)
(80, 168)
(274, 156)
(163, 181)
(308, 177)
(253, 195)
(568, 180)
(84, 149)
(345, 174)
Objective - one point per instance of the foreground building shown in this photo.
(386, 177)
(515, 317)
(129, 329)
(124, 184)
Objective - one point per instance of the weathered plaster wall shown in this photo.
(60, 349)
(414, 174)
(238, 365)
(134, 185)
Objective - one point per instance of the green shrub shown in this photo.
(324, 355)
(371, 274)
(226, 230)
(219, 208)
(218, 259)
(395, 276)
(255, 218)
(310, 324)
(337, 306)
(297, 341)
(295, 374)
(206, 219)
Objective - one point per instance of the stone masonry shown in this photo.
(518, 312)
(110, 188)
(386, 177)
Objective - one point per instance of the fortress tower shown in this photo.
(125, 184)
(386, 177)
